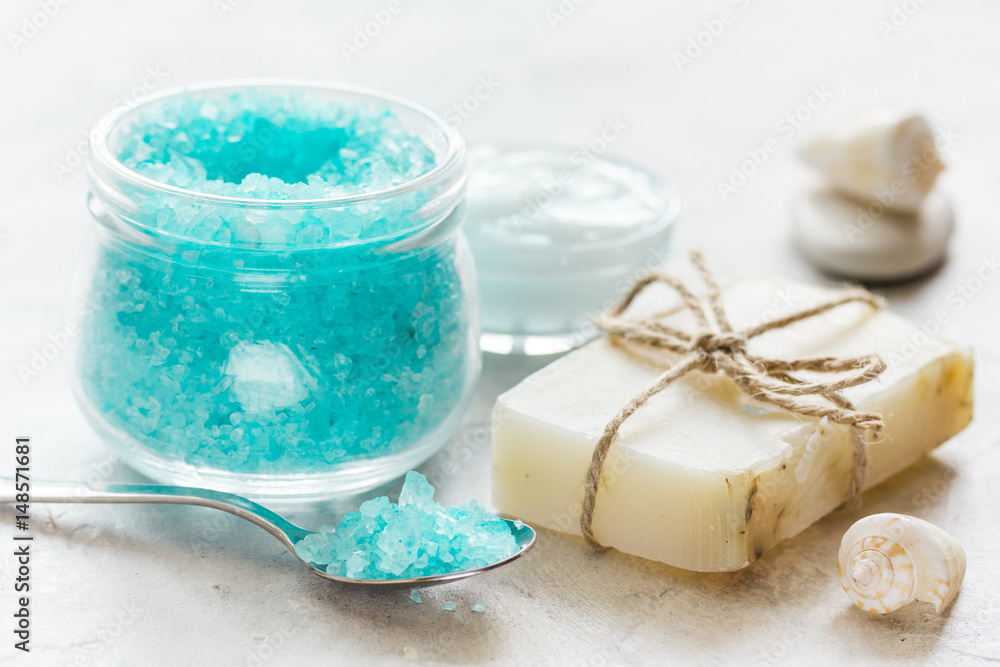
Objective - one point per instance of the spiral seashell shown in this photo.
(889, 560)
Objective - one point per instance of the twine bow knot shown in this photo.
(717, 347)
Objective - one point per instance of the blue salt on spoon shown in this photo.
(287, 533)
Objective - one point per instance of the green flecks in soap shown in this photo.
(417, 537)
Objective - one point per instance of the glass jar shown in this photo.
(288, 363)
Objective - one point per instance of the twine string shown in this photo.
(714, 347)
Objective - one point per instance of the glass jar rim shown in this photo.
(452, 160)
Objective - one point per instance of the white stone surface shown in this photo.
(135, 585)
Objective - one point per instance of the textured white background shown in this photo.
(124, 585)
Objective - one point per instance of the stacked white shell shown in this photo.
(876, 215)
(883, 156)
(889, 560)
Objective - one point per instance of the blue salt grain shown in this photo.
(415, 596)
(415, 538)
(479, 606)
(318, 356)
(449, 606)
(266, 144)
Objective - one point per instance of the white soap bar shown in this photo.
(846, 238)
(698, 477)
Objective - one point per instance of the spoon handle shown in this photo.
(78, 492)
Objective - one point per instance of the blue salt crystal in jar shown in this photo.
(281, 303)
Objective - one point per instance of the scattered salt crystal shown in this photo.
(479, 606)
(417, 537)
(415, 596)
(449, 606)
(416, 491)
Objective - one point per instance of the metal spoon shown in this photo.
(288, 533)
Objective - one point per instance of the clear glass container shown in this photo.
(309, 369)
(558, 236)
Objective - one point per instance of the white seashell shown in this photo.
(889, 560)
(882, 156)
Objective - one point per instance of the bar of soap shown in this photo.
(704, 477)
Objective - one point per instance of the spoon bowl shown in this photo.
(284, 530)
(524, 535)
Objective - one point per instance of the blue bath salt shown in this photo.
(263, 144)
(449, 605)
(415, 596)
(416, 537)
(263, 344)
(479, 606)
